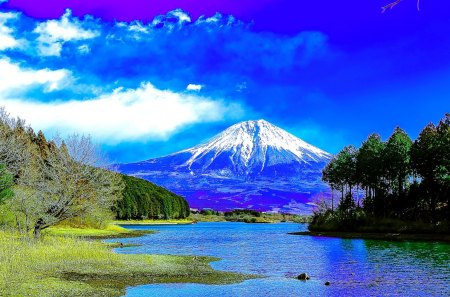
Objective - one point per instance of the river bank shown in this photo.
(378, 236)
(64, 263)
(153, 222)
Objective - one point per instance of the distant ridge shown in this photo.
(252, 164)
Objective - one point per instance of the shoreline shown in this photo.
(378, 236)
(77, 262)
(152, 222)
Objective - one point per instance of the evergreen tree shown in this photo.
(396, 159)
(369, 167)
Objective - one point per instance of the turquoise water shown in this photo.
(354, 267)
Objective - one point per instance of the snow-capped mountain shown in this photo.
(252, 164)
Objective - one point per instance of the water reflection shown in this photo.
(354, 267)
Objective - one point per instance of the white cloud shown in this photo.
(54, 33)
(137, 27)
(194, 87)
(182, 16)
(173, 19)
(131, 114)
(14, 78)
(7, 40)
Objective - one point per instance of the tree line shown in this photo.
(44, 182)
(145, 200)
(398, 179)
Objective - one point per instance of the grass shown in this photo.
(110, 231)
(70, 266)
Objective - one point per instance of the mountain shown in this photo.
(252, 164)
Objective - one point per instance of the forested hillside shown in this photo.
(143, 199)
(47, 182)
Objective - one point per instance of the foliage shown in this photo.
(247, 216)
(209, 212)
(6, 182)
(401, 180)
(144, 200)
(54, 180)
(237, 212)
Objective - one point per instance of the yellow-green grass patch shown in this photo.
(68, 266)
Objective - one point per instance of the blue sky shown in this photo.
(148, 82)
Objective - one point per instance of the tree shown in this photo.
(74, 183)
(55, 180)
(443, 168)
(15, 151)
(425, 161)
(6, 182)
(443, 148)
(403, 180)
(370, 171)
(329, 175)
(397, 159)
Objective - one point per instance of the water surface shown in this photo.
(355, 267)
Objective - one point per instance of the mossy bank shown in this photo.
(71, 266)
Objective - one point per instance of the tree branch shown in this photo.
(390, 6)
(395, 3)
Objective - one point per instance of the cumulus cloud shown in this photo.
(7, 40)
(64, 76)
(123, 115)
(14, 78)
(54, 33)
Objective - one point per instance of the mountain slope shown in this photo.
(252, 164)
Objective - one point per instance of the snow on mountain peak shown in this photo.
(255, 143)
(252, 164)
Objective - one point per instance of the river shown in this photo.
(354, 267)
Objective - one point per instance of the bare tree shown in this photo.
(14, 144)
(322, 203)
(74, 183)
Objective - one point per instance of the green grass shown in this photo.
(110, 231)
(70, 266)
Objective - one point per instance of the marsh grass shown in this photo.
(70, 266)
(110, 231)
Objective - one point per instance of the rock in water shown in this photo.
(303, 276)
